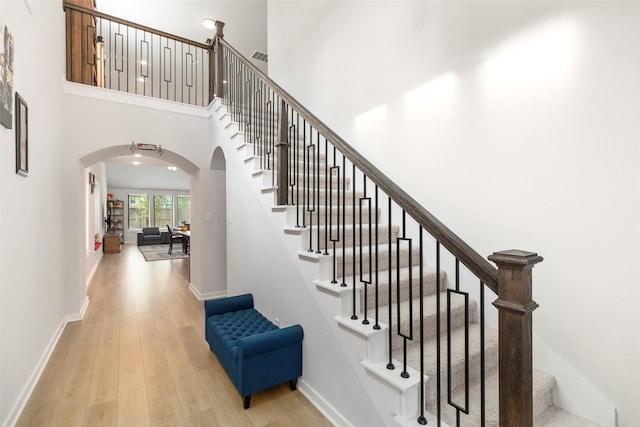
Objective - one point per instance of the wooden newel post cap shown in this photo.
(219, 28)
(515, 258)
(515, 287)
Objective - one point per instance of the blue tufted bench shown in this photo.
(255, 353)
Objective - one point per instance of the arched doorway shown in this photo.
(218, 217)
(110, 154)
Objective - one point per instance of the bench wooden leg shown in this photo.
(246, 401)
(293, 384)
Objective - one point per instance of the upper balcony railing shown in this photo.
(113, 53)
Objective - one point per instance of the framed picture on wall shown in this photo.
(6, 76)
(22, 137)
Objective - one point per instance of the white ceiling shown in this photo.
(152, 174)
(245, 20)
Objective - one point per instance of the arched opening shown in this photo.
(87, 260)
(218, 217)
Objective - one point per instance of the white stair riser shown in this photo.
(386, 260)
(429, 286)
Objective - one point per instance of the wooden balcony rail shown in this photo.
(113, 53)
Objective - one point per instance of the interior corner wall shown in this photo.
(34, 268)
(258, 262)
(515, 123)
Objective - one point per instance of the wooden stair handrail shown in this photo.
(477, 264)
(66, 5)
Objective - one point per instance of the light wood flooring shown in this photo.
(139, 358)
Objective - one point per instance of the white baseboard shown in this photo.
(28, 388)
(94, 269)
(325, 408)
(210, 295)
(75, 317)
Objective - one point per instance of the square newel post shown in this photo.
(515, 308)
(283, 151)
(219, 59)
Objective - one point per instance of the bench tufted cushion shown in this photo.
(231, 326)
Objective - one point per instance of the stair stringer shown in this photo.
(394, 399)
(324, 362)
(398, 398)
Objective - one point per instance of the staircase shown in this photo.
(380, 287)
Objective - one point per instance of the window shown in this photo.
(138, 211)
(162, 210)
(184, 210)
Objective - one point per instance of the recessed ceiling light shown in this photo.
(172, 168)
(143, 62)
(141, 79)
(136, 163)
(209, 23)
(137, 155)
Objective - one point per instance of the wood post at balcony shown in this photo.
(282, 155)
(219, 59)
(515, 307)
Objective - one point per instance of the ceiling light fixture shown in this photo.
(172, 168)
(209, 23)
(146, 147)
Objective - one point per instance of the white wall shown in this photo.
(516, 125)
(33, 240)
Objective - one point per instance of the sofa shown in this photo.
(254, 352)
(152, 236)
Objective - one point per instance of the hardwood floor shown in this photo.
(139, 358)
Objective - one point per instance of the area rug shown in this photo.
(161, 252)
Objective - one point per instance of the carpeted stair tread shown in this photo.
(457, 338)
(311, 218)
(430, 315)
(556, 417)
(301, 198)
(346, 233)
(386, 259)
(428, 279)
(542, 386)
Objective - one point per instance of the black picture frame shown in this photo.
(22, 136)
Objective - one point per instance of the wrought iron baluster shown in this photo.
(366, 281)
(464, 408)
(438, 339)
(405, 336)
(421, 418)
(390, 364)
(327, 199)
(317, 186)
(334, 237)
(354, 315)
(310, 186)
(344, 211)
(377, 305)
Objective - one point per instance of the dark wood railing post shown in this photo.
(283, 153)
(515, 308)
(219, 59)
